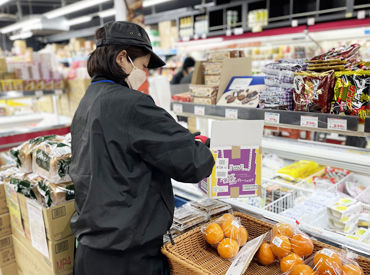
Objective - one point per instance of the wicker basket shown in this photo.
(192, 255)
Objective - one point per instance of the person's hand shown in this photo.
(204, 139)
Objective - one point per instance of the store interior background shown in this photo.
(56, 37)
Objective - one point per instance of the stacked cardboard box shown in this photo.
(7, 258)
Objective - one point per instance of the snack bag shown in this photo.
(23, 153)
(298, 170)
(313, 92)
(286, 244)
(226, 234)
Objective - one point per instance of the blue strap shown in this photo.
(104, 80)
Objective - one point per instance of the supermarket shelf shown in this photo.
(282, 118)
(22, 94)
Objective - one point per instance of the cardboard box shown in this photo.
(9, 269)
(6, 242)
(3, 204)
(237, 155)
(56, 218)
(5, 228)
(31, 262)
(230, 67)
(7, 256)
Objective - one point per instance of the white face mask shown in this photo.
(136, 78)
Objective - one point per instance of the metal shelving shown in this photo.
(23, 94)
(348, 125)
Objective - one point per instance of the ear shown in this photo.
(121, 59)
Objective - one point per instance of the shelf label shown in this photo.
(337, 124)
(361, 14)
(310, 121)
(231, 113)
(199, 110)
(311, 21)
(204, 36)
(177, 108)
(228, 32)
(196, 36)
(39, 93)
(272, 118)
(58, 92)
(294, 23)
(186, 38)
(238, 31)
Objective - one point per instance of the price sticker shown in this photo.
(361, 14)
(231, 113)
(238, 31)
(199, 110)
(294, 23)
(177, 108)
(311, 21)
(272, 118)
(337, 124)
(310, 121)
(58, 92)
(39, 93)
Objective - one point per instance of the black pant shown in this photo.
(143, 261)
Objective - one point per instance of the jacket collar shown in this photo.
(100, 77)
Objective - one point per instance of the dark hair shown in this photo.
(188, 62)
(102, 61)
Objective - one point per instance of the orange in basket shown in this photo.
(301, 245)
(302, 269)
(243, 235)
(282, 229)
(231, 229)
(326, 261)
(228, 248)
(213, 234)
(351, 269)
(289, 261)
(226, 218)
(265, 255)
(280, 246)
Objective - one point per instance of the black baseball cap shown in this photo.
(130, 34)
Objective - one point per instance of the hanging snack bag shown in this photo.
(51, 160)
(313, 92)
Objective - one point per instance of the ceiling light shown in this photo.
(73, 8)
(2, 2)
(19, 25)
(107, 13)
(78, 20)
(148, 3)
(22, 35)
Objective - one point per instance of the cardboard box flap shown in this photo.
(236, 133)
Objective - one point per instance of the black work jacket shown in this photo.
(125, 149)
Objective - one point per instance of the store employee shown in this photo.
(125, 149)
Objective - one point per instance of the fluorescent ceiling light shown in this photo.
(20, 25)
(2, 2)
(107, 13)
(73, 8)
(78, 20)
(22, 35)
(148, 3)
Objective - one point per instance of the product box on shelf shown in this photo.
(31, 262)
(5, 228)
(10, 269)
(3, 205)
(6, 252)
(54, 221)
(237, 153)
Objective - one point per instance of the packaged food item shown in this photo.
(203, 90)
(212, 68)
(299, 170)
(343, 208)
(187, 216)
(28, 85)
(52, 194)
(213, 80)
(18, 84)
(51, 160)
(211, 207)
(346, 224)
(226, 234)
(338, 54)
(183, 97)
(352, 93)
(327, 178)
(220, 56)
(313, 92)
(205, 100)
(23, 153)
(287, 245)
(21, 184)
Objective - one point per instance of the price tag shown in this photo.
(186, 38)
(58, 92)
(272, 118)
(228, 32)
(310, 121)
(238, 31)
(199, 110)
(361, 14)
(337, 124)
(294, 23)
(231, 113)
(177, 108)
(204, 36)
(196, 36)
(39, 93)
(311, 21)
